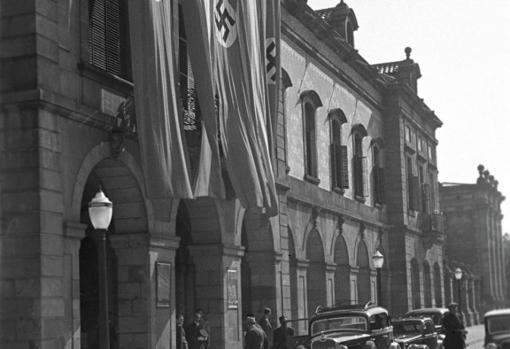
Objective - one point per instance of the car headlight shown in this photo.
(491, 346)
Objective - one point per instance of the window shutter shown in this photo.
(415, 190)
(334, 165)
(112, 36)
(344, 167)
(97, 40)
(379, 185)
(426, 197)
(364, 176)
(313, 150)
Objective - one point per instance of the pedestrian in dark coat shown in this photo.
(255, 337)
(281, 334)
(195, 334)
(265, 324)
(453, 328)
(181, 341)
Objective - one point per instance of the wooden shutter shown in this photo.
(379, 184)
(364, 176)
(104, 35)
(112, 36)
(334, 165)
(97, 40)
(426, 197)
(415, 191)
(344, 167)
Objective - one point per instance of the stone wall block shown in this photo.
(27, 288)
(26, 73)
(51, 287)
(51, 266)
(129, 291)
(13, 47)
(17, 25)
(47, 8)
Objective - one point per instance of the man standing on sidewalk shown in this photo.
(453, 328)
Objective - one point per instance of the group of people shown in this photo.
(260, 335)
(194, 335)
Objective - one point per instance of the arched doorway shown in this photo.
(125, 267)
(427, 284)
(437, 286)
(316, 275)
(342, 277)
(415, 284)
(364, 288)
(185, 272)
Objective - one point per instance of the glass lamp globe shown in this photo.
(100, 211)
(378, 260)
(458, 273)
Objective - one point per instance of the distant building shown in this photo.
(474, 239)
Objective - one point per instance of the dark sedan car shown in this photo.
(415, 333)
(355, 326)
(436, 314)
(497, 329)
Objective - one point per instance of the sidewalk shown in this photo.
(475, 336)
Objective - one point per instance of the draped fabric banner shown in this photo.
(163, 151)
(197, 20)
(240, 50)
(272, 55)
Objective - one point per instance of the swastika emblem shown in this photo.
(271, 60)
(225, 19)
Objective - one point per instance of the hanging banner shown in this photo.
(240, 51)
(158, 108)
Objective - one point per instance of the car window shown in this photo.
(498, 324)
(429, 327)
(344, 323)
(379, 321)
(406, 328)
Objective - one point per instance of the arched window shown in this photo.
(359, 163)
(377, 173)
(349, 33)
(310, 101)
(415, 284)
(108, 37)
(338, 152)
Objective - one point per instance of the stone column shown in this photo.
(218, 292)
(476, 315)
(466, 301)
(330, 283)
(302, 294)
(353, 278)
(73, 234)
(373, 286)
(146, 292)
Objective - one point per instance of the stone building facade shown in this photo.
(474, 241)
(355, 165)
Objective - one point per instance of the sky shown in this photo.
(463, 49)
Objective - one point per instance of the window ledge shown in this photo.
(339, 190)
(312, 179)
(360, 198)
(105, 78)
(378, 205)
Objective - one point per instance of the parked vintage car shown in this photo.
(353, 326)
(497, 329)
(436, 314)
(415, 332)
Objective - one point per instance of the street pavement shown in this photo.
(475, 337)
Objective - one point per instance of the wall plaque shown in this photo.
(232, 294)
(163, 279)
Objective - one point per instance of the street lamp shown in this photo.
(458, 276)
(100, 213)
(378, 260)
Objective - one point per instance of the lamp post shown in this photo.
(458, 277)
(100, 213)
(378, 260)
